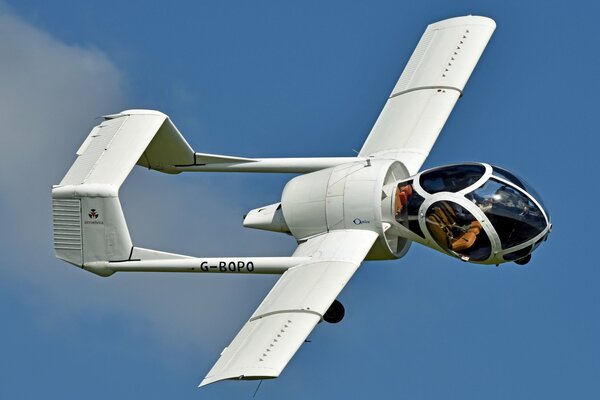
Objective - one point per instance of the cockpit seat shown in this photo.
(440, 227)
(442, 223)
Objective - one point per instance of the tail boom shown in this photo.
(89, 227)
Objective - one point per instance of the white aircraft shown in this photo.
(341, 210)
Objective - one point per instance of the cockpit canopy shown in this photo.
(473, 211)
(452, 178)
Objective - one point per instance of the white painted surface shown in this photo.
(293, 307)
(427, 90)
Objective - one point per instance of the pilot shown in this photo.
(445, 226)
(403, 194)
(467, 239)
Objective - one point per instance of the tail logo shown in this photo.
(93, 220)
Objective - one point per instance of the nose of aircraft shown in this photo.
(474, 211)
(516, 213)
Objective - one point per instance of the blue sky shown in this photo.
(293, 79)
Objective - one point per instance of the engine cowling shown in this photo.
(348, 196)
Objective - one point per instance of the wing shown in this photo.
(427, 90)
(293, 307)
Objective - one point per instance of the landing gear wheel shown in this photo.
(335, 313)
(524, 260)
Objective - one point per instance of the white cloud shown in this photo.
(50, 93)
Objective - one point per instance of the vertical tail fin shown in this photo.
(88, 222)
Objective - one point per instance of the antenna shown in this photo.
(258, 387)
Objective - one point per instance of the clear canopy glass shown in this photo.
(514, 216)
(520, 182)
(452, 178)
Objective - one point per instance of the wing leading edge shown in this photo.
(294, 306)
(428, 89)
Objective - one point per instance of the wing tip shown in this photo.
(212, 379)
(464, 20)
(205, 382)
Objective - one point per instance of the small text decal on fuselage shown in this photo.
(231, 266)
